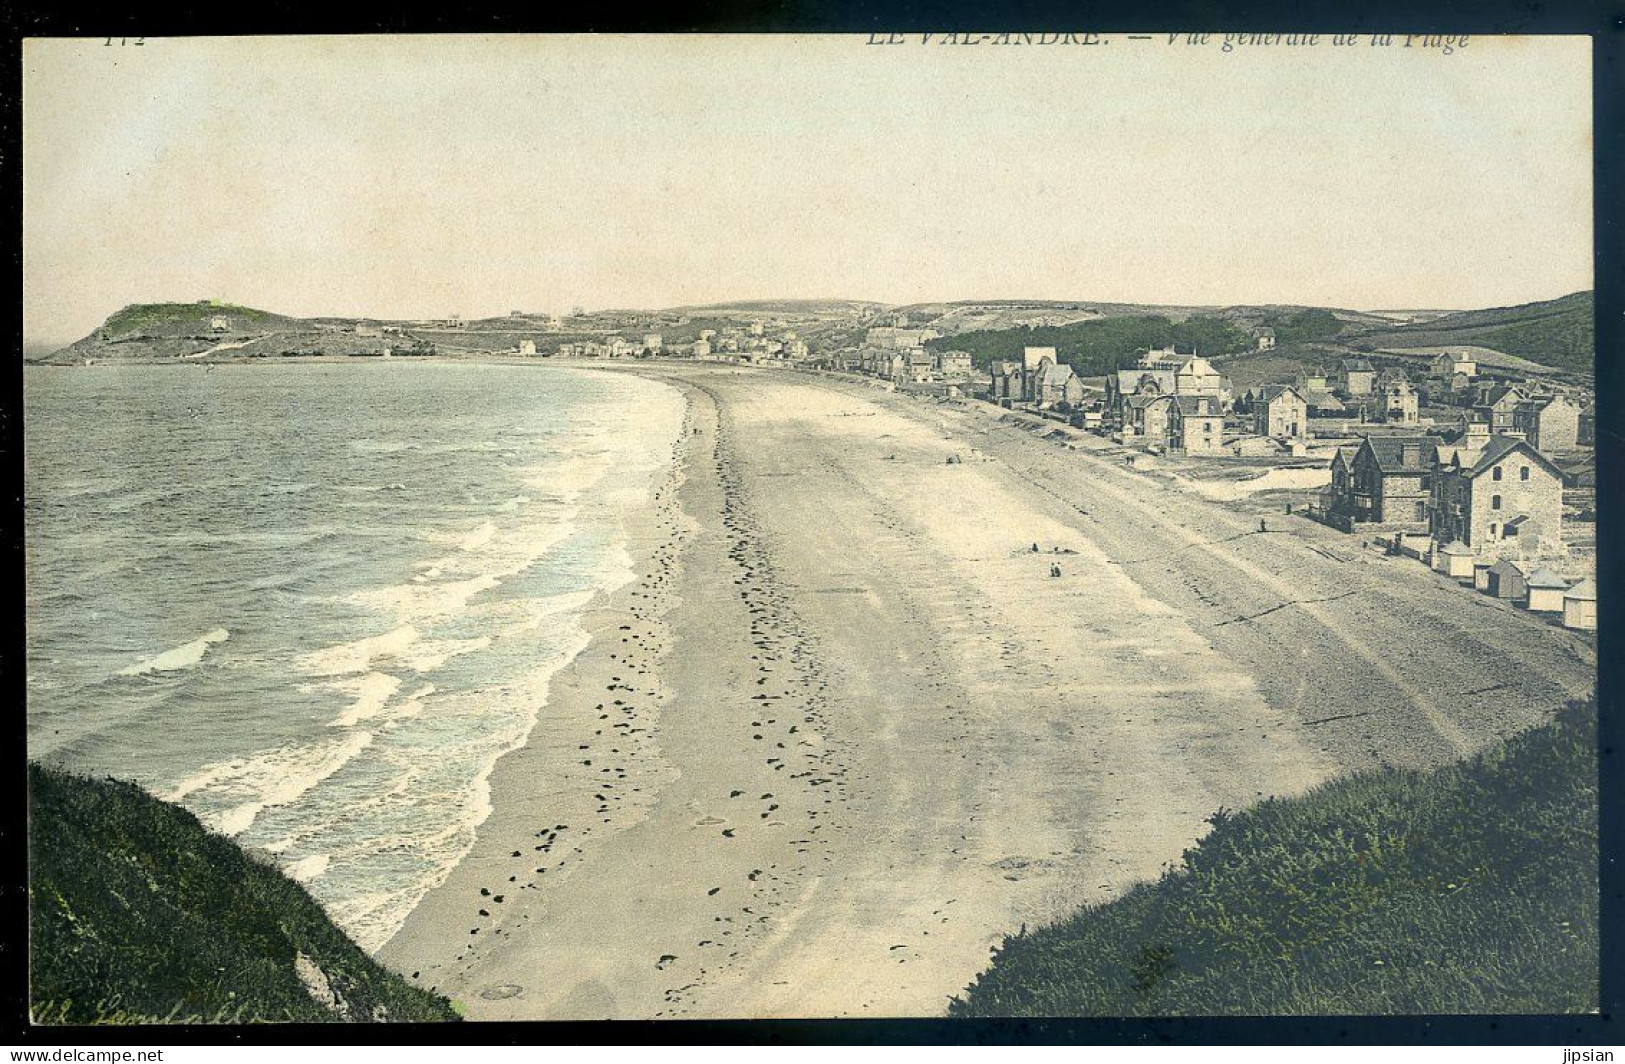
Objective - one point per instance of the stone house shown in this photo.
(1388, 482)
(1400, 404)
(1448, 364)
(954, 364)
(1355, 376)
(1506, 498)
(1139, 380)
(1007, 382)
(1550, 423)
(1196, 424)
(1280, 411)
(1055, 383)
(1146, 418)
(1498, 406)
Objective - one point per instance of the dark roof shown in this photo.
(1191, 405)
(1357, 365)
(1389, 452)
(1272, 392)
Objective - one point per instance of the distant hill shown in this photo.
(1557, 332)
(168, 332)
(1471, 888)
(139, 914)
(784, 306)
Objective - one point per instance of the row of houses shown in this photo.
(1491, 495)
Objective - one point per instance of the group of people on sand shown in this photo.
(1055, 568)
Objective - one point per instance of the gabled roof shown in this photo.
(1054, 372)
(1389, 452)
(1272, 392)
(1500, 392)
(1507, 567)
(1545, 578)
(1499, 447)
(1456, 546)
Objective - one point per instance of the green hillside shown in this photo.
(174, 319)
(138, 914)
(1558, 332)
(1469, 889)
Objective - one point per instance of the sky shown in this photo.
(414, 176)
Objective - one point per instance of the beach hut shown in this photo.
(1456, 560)
(1545, 591)
(1481, 576)
(1507, 580)
(1580, 606)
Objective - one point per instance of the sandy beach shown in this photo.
(847, 730)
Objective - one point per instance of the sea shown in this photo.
(315, 602)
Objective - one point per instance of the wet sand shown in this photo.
(847, 730)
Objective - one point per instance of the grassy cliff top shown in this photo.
(139, 914)
(1468, 889)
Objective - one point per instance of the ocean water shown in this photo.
(314, 603)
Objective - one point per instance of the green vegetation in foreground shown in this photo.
(138, 914)
(1471, 888)
(1100, 346)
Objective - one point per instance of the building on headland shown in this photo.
(1264, 339)
(1280, 411)
(1550, 423)
(1195, 425)
(527, 347)
(1503, 498)
(220, 323)
(702, 348)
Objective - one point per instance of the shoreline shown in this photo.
(867, 732)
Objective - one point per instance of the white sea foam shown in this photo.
(275, 778)
(308, 868)
(182, 657)
(372, 692)
(357, 656)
